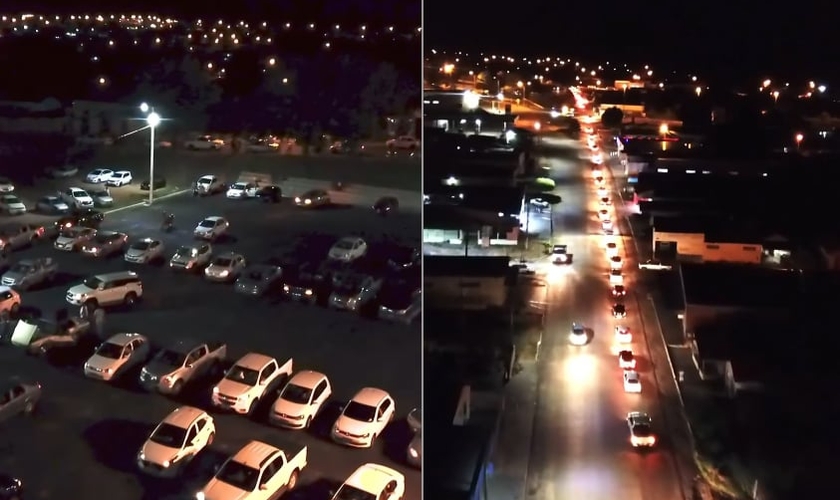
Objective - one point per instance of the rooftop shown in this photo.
(455, 266)
(732, 285)
(506, 200)
(715, 229)
(454, 217)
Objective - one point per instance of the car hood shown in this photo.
(182, 259)
(59, 205)
(103, 196)
(351, 426)
(101, 362)
(13, 275)
(64, 240)
(79, 290)
(219, 490)
(158, 453)
(288, 408)
(214, 269)
(158, 369)
(18, 204)
(232, 388)
(136, 252)
(83, 198)
(201, 229)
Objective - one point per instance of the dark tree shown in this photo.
(182, 91)
(612, 118)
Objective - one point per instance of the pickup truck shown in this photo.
(243, 476)
(251, 379)
(184, 361)
(66, 343)
(30, 273)
(16, 236)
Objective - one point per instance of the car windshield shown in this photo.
(578, 330)
(633, 378)
(22, 268)
(110, 350)
(205, 180)
(239, 185)
(239, 475)
(626, 355)
(93, 283)
(344, 245)
(348, 492)
(79, 194)
(243, 375)
(296, 394)
(11, 199)
(207, 223)
(311, 194)
(642, 430)
(360, 412)
(169, 435)
(171, 358)
(104, 238)
(186, 252)
(142, 245)
(223, 262)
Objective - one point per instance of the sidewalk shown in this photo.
(508, 464)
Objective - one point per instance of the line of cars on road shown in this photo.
(639, 423)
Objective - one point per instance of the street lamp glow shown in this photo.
(663, 129)
(775, 95)
(821, 88)
(766, 83)
(698, 91)
(153, 119)
(144, 108)
(799, 138)
(500, 96)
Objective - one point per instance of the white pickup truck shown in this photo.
(183, 362)
(252, 378)
(654, 265)
(258, 471)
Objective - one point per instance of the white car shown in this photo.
(248, 381)
(209, 184)
(11, 205)
(603, 214)
(414, 452)
(225, 267)
(612, 249)
(404, 142)
(77, 197)
(632, 382)
(616, 278)
(597, 159)
(654, 265)
(98, 176)
(313, 198)
(623, 335)
(641, 429)
(348, 248)
(615, 263)
(602, 191)
(301, 400)
(364, 418)
(6, 186)
(117, 355)
(599, 181)
(578, 335)
(176, 441)
(72, 238)
(626, 360)
(204, 143)
(145, 251)
(119, 178)
(605, 202)
(211, 228)
(241, 191)
(372, 481)
(607, 225)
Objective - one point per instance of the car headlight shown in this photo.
(307, 202)
(168, 380)
(166, 464)
(413, 452)
(199, 496)
(215, 390)
(190, 265)
(285, 288)
(308, 293)
(224, 274)
(141, 456)
(297, 199)
(207, 271)
(108, 371)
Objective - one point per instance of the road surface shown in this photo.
(580, 443)
(83, 441)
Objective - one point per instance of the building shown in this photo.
(48, 117)
(709, 240)
(729, 316)
(491, 214)
(468, 283)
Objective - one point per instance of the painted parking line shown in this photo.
(145, 203)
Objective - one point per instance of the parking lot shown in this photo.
(83, 440)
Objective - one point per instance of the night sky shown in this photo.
(720, 37)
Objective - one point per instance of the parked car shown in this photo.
(77, 197)
(18, 397)
(101, 197)
(386, 205)
(160, 182)
(270, 194)
(98, 176)
(119, 178)
(207, 185)
(11, 204)
(62, 172)
(51, 205)
(117, 355)
(204, 143)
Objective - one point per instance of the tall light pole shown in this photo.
(152, 120)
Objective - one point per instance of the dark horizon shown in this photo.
(721, 40)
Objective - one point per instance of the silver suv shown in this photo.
(122, 287)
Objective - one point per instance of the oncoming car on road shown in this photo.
(578, 335)
(641, 429)
(313, 198)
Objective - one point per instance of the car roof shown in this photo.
(370, 396)
(207, 177)
(631, 374)
(372, 478)
(74, 188)
(254, 360)
(307, 378)
(254, 454)
(184, 416)
(122, 172)
(124, 338)
(214, 217)
(352, 239)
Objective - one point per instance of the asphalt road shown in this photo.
(580, 443)
(181, 168)
(83, 440)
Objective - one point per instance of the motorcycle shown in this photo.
(168, 223)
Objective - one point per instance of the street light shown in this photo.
(799, 138)
(152, 120)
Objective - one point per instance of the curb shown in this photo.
(144, 203)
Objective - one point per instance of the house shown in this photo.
(452, 282)
(486, 215)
